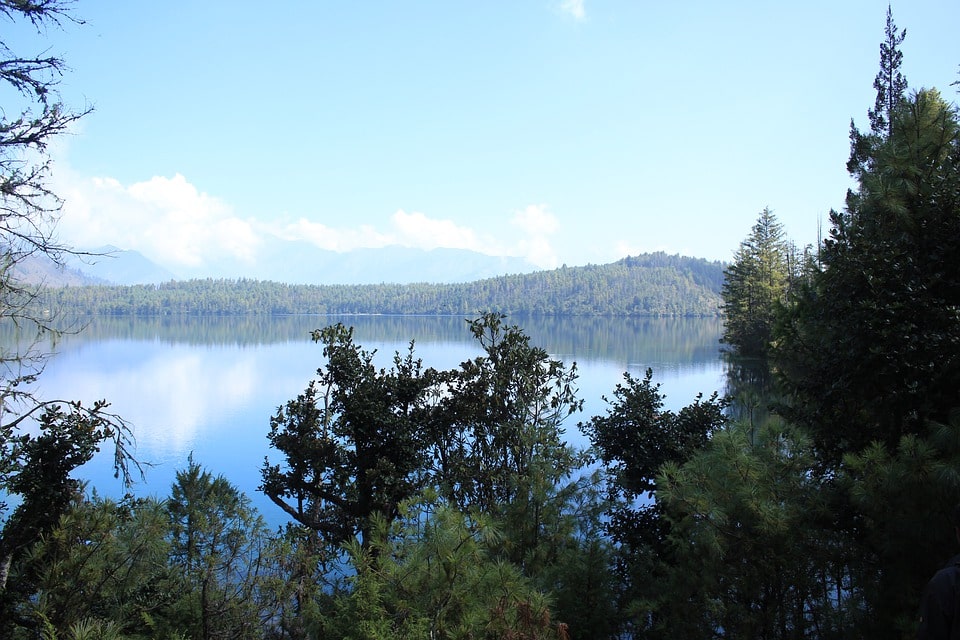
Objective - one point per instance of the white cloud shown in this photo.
(417, 230)
(166, 219)
(574, 8)
(535, 220)
(174, 223)
(538, 224)
(331, 239)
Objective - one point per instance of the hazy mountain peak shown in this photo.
(283, 261)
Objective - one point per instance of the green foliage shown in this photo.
(747, 555)
(887, 271)
(434, 575)
(648, 285)
(217, 541)
(297, 585)
(486, 437)
(634, 440)
(35, 469)
(497, 426)
(104, 566)
(200, 564)
(755, 285)
(871, 348)
(498, 445)
(904, 498)
(580, 576)
(351, 440)
(868, 353)
(637, 436)
(84, 630)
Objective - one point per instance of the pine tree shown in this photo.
(891, 87)
(754, 285)
(890, 84)
(216, 537)
(869, 351)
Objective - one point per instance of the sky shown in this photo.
(562, 131)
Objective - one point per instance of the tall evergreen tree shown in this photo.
(891, 87)
(870, 350)
(754, 285)
(890, 84)
(869, 354)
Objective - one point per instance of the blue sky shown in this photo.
(563, 131)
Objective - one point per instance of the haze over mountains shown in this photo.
(293, 263)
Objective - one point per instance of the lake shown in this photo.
(208, 386)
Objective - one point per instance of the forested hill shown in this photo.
(648, 285)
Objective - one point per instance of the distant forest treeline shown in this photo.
(654, 284)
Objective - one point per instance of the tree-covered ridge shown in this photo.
(648, 285)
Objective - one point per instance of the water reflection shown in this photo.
(638, 340)
(210, 385)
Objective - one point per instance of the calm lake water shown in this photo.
(208, 386)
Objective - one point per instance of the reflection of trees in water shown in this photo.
(750, 387)
(628, 340)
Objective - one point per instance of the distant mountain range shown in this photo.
(287, 262)
(111, 265)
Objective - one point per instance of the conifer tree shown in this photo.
(891, 87)
(754, 285)
(869, 351)
(216, 539)
(868, 356)
(890, 84)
